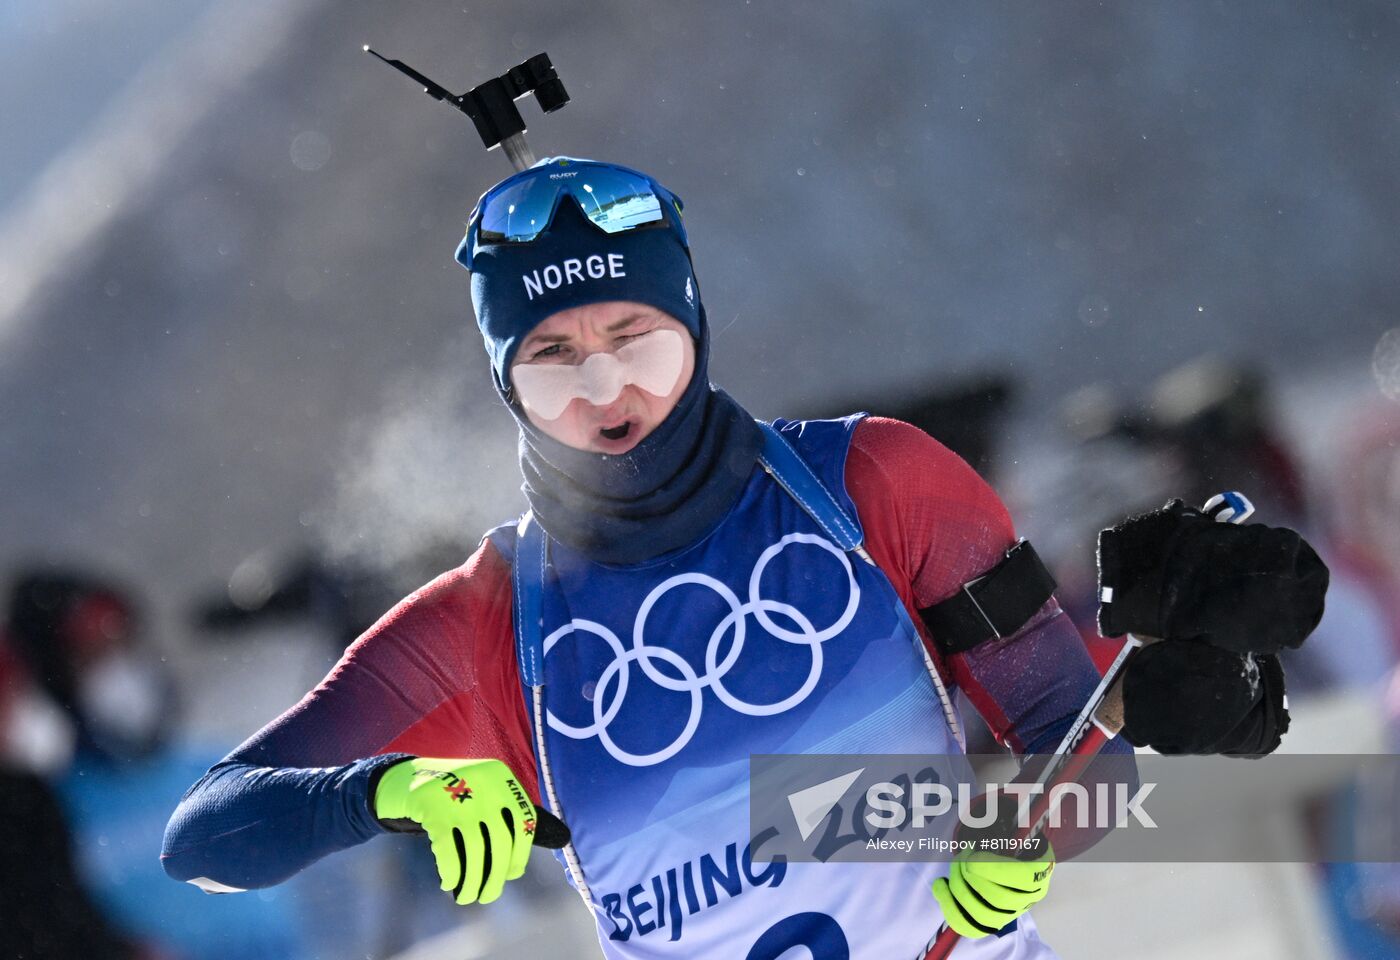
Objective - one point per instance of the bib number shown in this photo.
(819, 933)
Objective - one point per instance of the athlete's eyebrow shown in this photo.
(625, 321)
(537, 339)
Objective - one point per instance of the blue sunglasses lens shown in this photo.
(613, 200)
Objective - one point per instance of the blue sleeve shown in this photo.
(1050, 651)
(416, 683)
(1040, 714)
(244, 825)
(300, 787)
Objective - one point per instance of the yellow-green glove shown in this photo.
(983, 893)
(479, 822)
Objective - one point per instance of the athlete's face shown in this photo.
(614, 425)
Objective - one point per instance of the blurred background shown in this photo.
(1111, 253)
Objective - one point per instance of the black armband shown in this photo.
(994, 605)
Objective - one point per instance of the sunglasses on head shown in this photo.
(614, 199)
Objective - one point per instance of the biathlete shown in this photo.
(688, 587)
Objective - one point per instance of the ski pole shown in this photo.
(1099, 722)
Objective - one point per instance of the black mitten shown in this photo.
(1262, 729)
(1186, 696)
(1176, 574)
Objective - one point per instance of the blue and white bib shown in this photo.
(651, 685)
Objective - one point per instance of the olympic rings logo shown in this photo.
(611, 686)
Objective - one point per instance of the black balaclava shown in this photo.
(674, 486)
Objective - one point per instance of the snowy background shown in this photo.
(231, 326)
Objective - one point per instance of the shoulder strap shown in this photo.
(527, 595)
(786, 466)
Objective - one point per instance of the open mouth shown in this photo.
(617, 432)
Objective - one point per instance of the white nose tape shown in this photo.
(652, 362)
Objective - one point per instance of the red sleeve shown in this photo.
(932, 524)
(436, 676)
